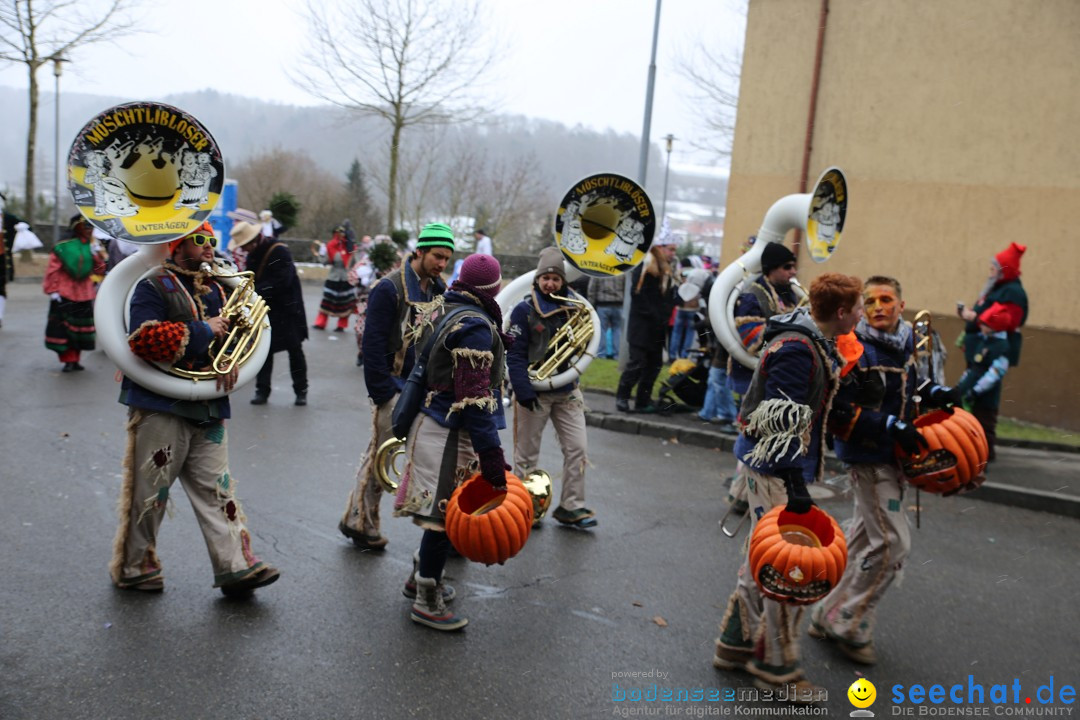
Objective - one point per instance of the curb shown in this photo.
(1002, 442)
(999, 493)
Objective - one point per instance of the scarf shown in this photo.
(897, 341)
(487, 302)
(76, 258)
(199, 278)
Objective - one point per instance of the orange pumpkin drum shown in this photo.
(956, 455)
(486, 525)
(797, 558)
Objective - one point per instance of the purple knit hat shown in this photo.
(482, 272)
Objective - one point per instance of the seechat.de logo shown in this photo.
(972, 698)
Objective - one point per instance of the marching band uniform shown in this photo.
(782, 443)
(400, 306)
(533, 322)
(456, 431)
(70, 287)
(170, 438)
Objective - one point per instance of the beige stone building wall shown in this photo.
(957, 125)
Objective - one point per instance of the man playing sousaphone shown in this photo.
(396, 312)
(175, 315)
(533, 322)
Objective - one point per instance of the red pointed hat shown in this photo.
(1009, 260)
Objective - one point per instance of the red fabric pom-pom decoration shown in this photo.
(157, 341)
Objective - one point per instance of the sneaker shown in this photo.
(582, 517)
(359, 361)
(68, 367)
(430, 609)
(647, 409)
(339, 329)
(362, 540)
(731, 658)
(862, 654)
(259, 399)
(622, 405)
(243, 588)
(301, 399)
(77, 367)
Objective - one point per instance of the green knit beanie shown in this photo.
(435, 235)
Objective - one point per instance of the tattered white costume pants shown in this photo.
(878, 542)
(768, 626)
(362, 512)
(162, 447)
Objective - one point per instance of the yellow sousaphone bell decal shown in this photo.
(605, 224)
(145, 172)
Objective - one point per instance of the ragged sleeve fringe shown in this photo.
(158, 341)
(782, 427)
(472, 380)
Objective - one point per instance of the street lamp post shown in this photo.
(667, 171)
(57, 62)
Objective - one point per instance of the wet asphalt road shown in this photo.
(989, 591)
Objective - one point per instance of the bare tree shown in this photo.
(37, 33)
(716, 97)
(324, 199)
(408, 62)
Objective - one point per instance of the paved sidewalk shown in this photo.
(1036, 479)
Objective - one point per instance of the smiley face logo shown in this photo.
(862, 693)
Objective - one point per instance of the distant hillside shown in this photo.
(244, 126)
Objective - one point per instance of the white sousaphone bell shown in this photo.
(821, 214)
(150, 173)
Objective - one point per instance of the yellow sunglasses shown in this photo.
(200, 240)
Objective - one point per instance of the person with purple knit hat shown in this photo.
(456, 432)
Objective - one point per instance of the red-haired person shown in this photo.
(782, 444)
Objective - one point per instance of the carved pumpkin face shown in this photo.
(797, 558)
(486, 525)
(956, 455)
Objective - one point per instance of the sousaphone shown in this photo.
(150, 173)
(603, 226)
(821, 214)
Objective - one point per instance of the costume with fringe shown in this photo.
(170, 438)
(398, 309)
(753, 308)
(783, 430)
(881, 384)
(462, 413)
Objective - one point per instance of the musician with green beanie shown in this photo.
(399, 307)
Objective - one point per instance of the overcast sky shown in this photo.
(558, 54)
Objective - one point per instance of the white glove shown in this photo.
(55, 296)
